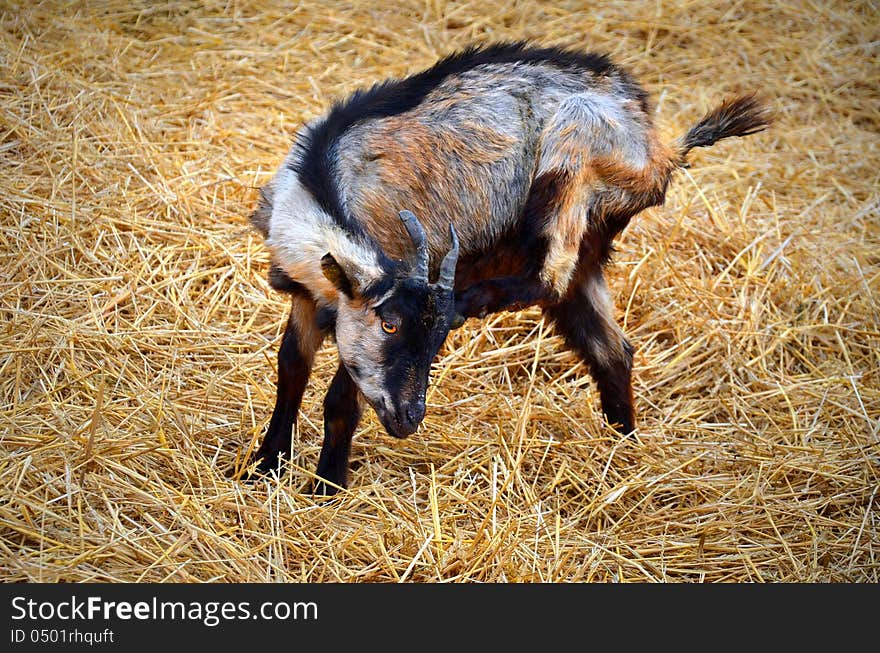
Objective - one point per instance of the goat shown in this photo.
(506, 171)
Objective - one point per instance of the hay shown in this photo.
(139, 335)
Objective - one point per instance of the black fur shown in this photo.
(326, 319)
(741, 116)
(280, 281)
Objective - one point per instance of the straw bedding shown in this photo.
(138, 337)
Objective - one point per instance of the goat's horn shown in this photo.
(446, 280)
(420, 240)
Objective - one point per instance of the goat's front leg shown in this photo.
(301, 340)
(499, 294)
(342, 413)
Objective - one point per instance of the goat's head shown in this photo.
(389, 329)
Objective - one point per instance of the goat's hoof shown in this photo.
(323, 489)
(266, 468)
(623, 430)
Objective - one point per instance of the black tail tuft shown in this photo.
(740, 116)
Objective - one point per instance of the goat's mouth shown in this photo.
(392, 425)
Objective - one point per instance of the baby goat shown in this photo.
(503, 171)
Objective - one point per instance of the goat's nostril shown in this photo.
(413, 413)
(416, 412)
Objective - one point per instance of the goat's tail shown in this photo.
(739, 116)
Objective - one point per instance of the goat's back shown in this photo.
(467, 151)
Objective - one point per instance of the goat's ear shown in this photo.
(334, 272)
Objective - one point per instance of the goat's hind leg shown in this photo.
(586, 320)
(590, 144)
(301, 340)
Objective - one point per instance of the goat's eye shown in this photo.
(388, 327)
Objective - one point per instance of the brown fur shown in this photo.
(429, 172)
(302, 316)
